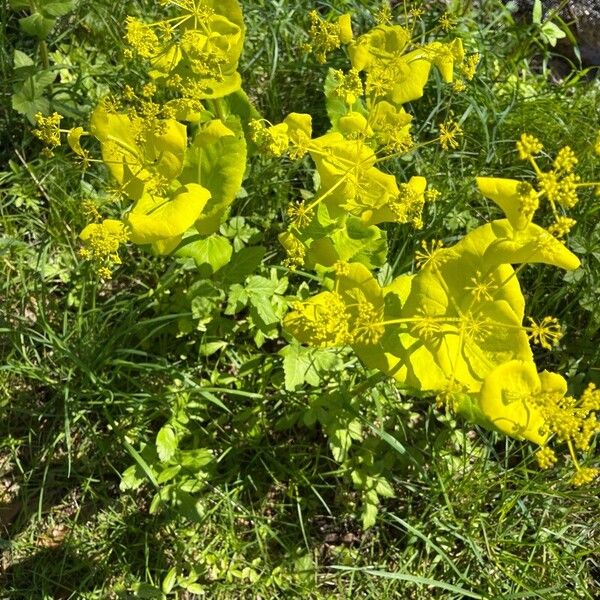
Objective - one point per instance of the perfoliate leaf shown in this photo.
(464, 318)
(216, 160)
(73, 139)
(153, 219)
(505, 399)
(530, 245)
(506, 193)
(135, 165)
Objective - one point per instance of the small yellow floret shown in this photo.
(528, 146)
(449, 132)
(546, 333)
(584, 475)
(469, 67)
(561, 226)
(48, 129)
(565, 160)
(101, 244)
(446, 22)
(300, 214)
(273, 140)
(430, 254)
(327, 37)
(143, 41)
(545, 457)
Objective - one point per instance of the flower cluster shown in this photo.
(558, 187)
(195, 52)
(368, 126)
(171, 186)
(326, 37)
(573, 422)
(48, 129)
(456, 328)
(101, 244)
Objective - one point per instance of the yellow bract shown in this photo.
(506, 399)
(154, 219)
(140, 155)
(510, 195)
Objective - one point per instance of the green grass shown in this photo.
(91, 371)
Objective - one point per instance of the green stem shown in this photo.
(218, 108)
(44, 54)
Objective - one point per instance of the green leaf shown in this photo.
(339, 443)
(369, 514)
(306, 365)
(236, 300)
(37, 25)
(169, 581)
(166, 443)
(57, 9)
(383, 488)
(209, 348)
(552, 33)
(196, 459)
(261, 286)
(242, 264)
(264, 309)
(28, 98)
(132, 478)
(21, 60)
(168, 473)
(536, 17)
(239, 105)
(145, 590)
(210, 254)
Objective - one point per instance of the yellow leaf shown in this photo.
(505, 399)
(505, 193)
(159, 219)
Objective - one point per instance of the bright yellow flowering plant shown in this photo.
(178, 186)
(456, 330)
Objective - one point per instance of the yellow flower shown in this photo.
(48, 129)
(565, 160)
(449, 132)
(546, 333)
(143, 41)
(584, 475)
(446, 22)
(469, 67)
(327, 37)
(101, 244)
(546, 457)
(528, 146)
